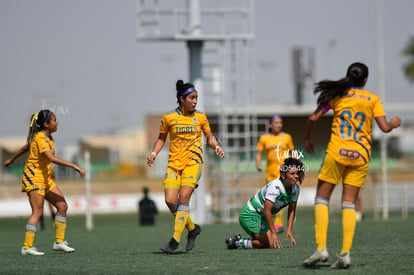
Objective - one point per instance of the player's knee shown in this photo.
(170, 202)
(37, 213)
(62, 208)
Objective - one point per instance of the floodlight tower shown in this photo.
(219, 38)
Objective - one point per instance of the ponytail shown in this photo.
(329, 89)
(356, 75)
(37, 122)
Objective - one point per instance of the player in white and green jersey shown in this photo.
(256, 216)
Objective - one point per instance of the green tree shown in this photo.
(409, 66)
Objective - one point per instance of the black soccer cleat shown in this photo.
(170, 246)
(192, 235)
(233, 242)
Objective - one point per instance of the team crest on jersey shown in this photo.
(195, 120)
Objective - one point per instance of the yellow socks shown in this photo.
(321, 222)
(60, 227)
(190, 224)
(181, 218)
(29, 236)
(348, 226)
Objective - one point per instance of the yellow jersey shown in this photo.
(38, 169)
(185, 137)
(276, 148)
(351, 133)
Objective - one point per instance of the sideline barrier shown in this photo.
(402, 196)
(109, 204)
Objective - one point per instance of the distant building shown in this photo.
(8, 147)
(122, 154)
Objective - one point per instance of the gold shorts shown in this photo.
(42, 188)
(332, 171)
(189, 176)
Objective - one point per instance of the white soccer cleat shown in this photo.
(358, 216)
(31, 251)
(343, 262)
(63, 246)
(317, 256)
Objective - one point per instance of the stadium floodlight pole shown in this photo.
(88, 208)
(382, 92)
(195, 51)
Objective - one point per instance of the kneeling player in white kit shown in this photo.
(256, 217)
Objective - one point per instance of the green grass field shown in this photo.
(118, 245)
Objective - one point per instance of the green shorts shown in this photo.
(252, 222)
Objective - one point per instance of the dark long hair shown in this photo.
(37, 123)
(293, 162)
(329, 89)
(181, 87)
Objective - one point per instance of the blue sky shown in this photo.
(81, 58)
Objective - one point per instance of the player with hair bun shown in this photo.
(185, 125)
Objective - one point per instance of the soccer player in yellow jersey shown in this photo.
(38, 183)
(348, 153)
(20, 152)
(277, 146)
(185, 125)
(24, 149)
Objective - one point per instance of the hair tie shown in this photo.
(34, 118)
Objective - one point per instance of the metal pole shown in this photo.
(195, 63)
(88, 210)
(382, 92)
(404, 201)
(194, 22)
